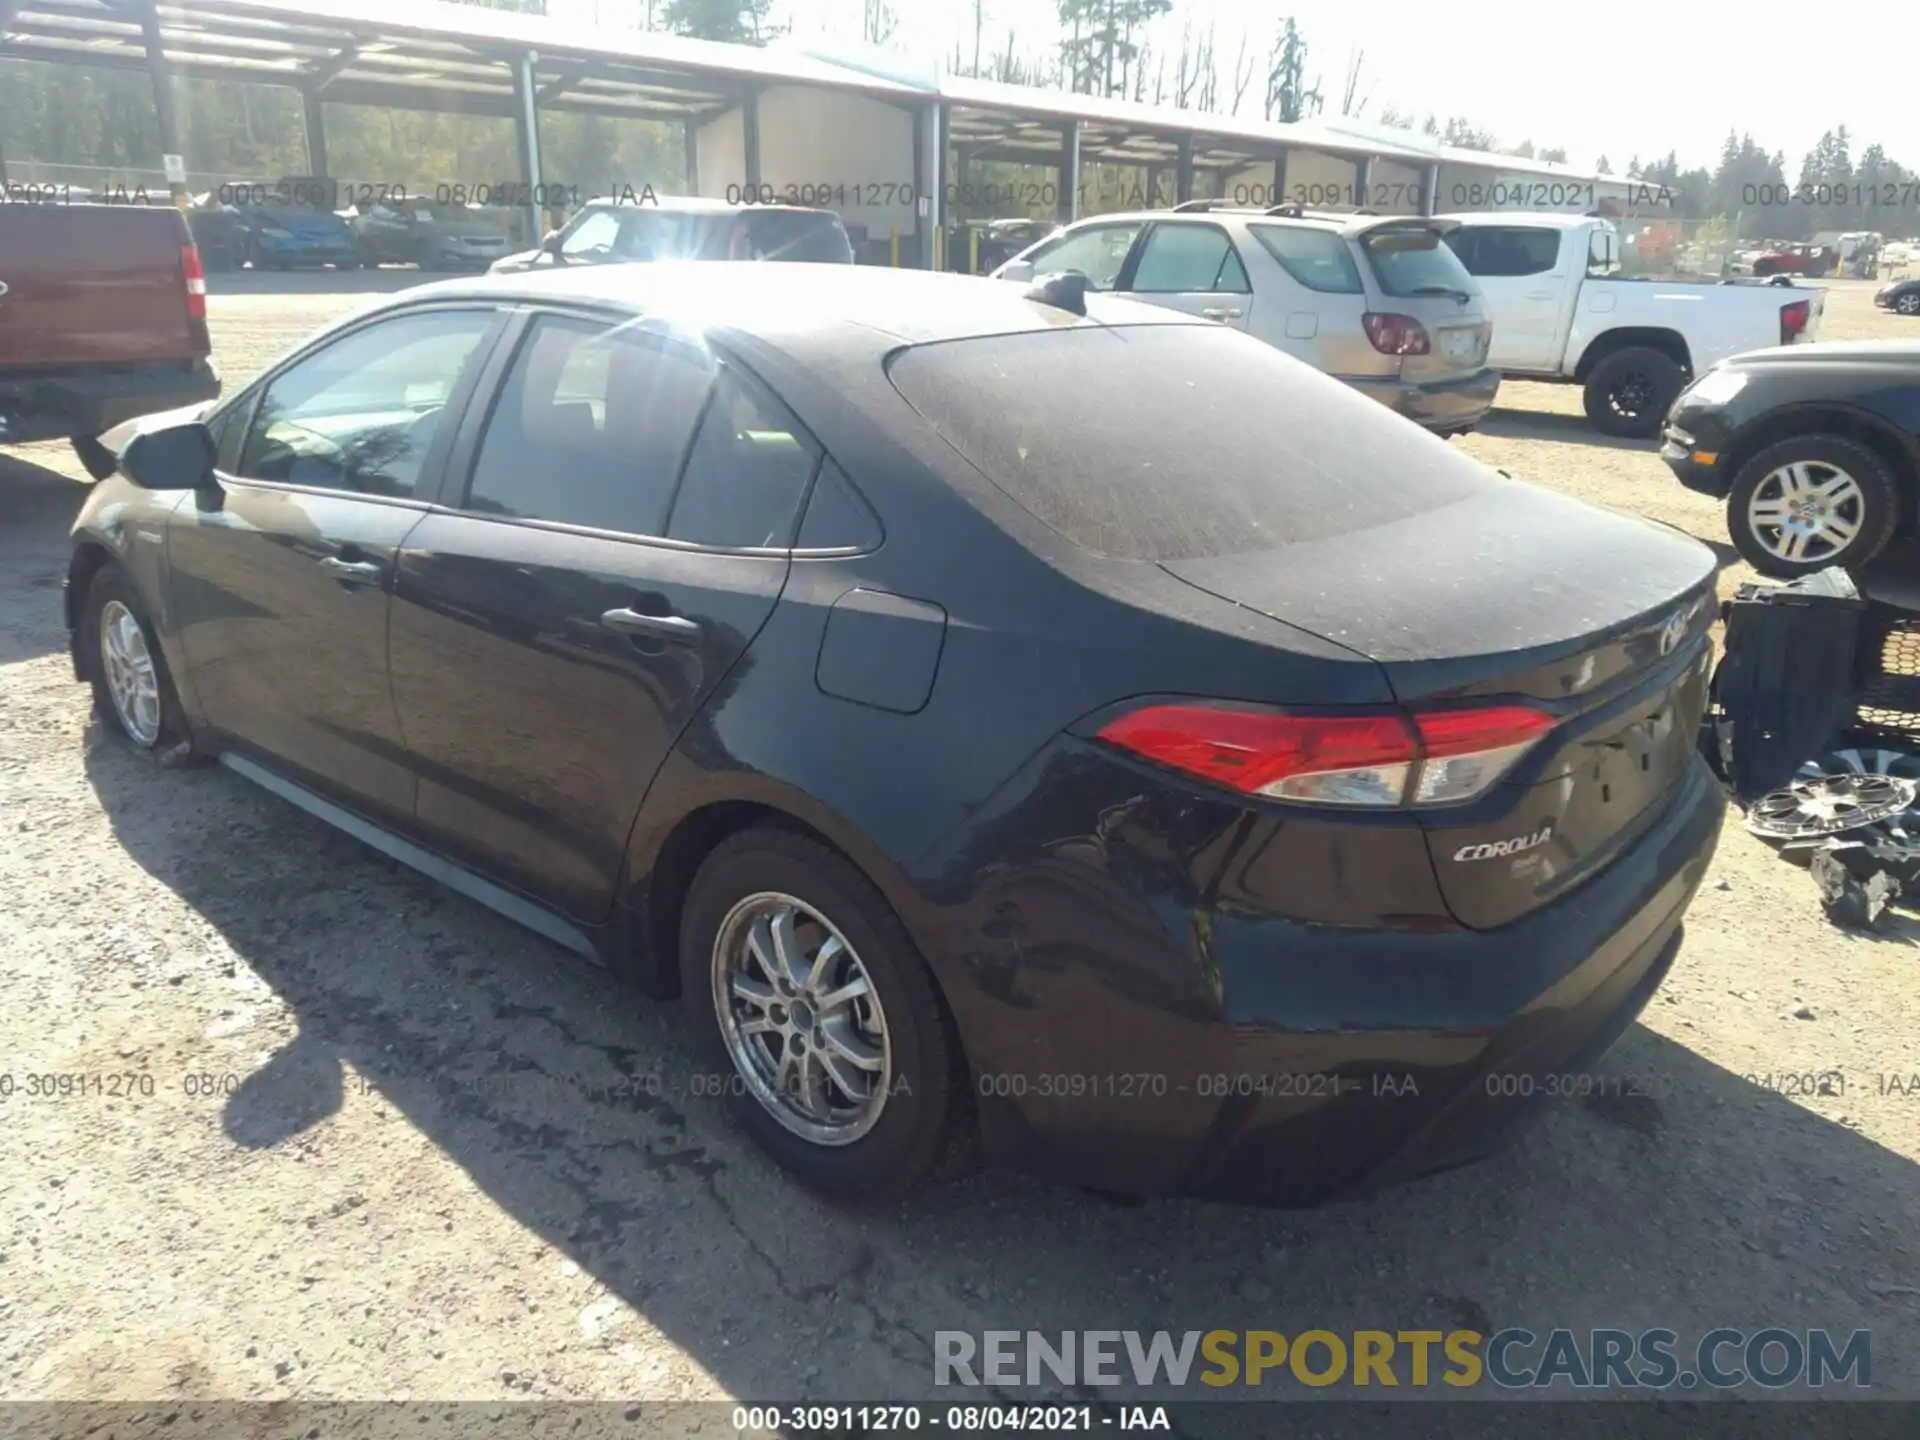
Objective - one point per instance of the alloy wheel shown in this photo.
(132, 682)
(801, 1019)
(1806, 511)
(1908, 304)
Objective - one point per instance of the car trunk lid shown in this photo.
(1514, 594)
(94, 285)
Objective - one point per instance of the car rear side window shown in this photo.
(362, 412)
(1187, 259)
(1410, 260)
(591, 426)
(747, 473)
(1318, 259)
(1506, 251)
(1173, 442)
(792, 235)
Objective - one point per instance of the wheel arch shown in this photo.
(1670, 343)
(91, 555)
(663, 859)
(1899, 450)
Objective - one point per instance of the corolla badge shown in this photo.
(1495, 849)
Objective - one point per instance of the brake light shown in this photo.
(1793, 320)
(196, 281)
(1382, 760)
(1396, 334)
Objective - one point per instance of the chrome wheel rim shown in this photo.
(132, 683)
(1807, 511)
(801, 1020)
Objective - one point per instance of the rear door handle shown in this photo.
(353, 572)
(658, 627)
(1222, 313)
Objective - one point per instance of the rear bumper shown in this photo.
(1259, 1059)
(86, 402)
(1438, 405)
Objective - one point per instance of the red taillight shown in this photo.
(1793, 320)
(1396, 334)
(196, 281)
(1384, 760)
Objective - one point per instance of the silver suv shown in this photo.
(1376, 301)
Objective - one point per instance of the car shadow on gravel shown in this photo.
(37, 506)
(1504, 424)
(1673, 1193)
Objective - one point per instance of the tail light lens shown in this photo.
(1793, 320)
(1383, 761)
(195, 276)
(1396, 334)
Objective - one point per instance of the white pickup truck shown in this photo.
(1562, 312)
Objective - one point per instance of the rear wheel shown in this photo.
(821, 1020)
(1909, 303)
(131, 686)
(1811, 502)
(1629, 393)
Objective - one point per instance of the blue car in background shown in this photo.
(273, 233)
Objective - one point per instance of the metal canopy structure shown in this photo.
(424, 55)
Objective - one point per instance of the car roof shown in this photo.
(1343, 222)
(805, 309)
(693, 204)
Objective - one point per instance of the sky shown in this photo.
(1622, 78)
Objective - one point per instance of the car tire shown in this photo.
(1908, 304)
(743, 886)
(133, 691)
(1630, 391)
(1873, 505)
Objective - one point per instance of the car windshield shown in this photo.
(1174, 442)
(1410, 260)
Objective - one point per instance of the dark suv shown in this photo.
(687, 228)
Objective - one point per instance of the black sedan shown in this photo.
(1815, 447)
(1902, 296)
(1083, 728)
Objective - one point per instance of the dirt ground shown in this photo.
(297, 1202)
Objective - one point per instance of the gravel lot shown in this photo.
(307, 1205)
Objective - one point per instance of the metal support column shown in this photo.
(690, 136)
(939, 122)
(1068, 208)
(526, 122)
(1280, 177)
(1183, 172)
(750, 140)
(162, 74)
(316, 132)
(1152, 179)
(1430, 189)
(1363, 183)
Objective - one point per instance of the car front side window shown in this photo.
(593, 238)
(1096, 252)
(362, 412)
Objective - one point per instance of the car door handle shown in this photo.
(1539, 294)
(353, 572)
(1222, 313)
(658, 627)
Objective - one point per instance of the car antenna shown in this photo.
(1063, 289)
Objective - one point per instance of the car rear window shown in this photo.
(1175, 442)
(1411, 260)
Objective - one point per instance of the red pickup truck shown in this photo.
(103, 317)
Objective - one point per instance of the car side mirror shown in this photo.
(1021, 270)
(178, 457)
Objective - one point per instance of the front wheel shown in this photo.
(1909, 303)
(1811, 502)
(131, 686)
(822, 1022)
(1629, 393)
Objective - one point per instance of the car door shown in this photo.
(1190, 266)
(1318, 299)
(1522, 274)
(281, 581)
(617, 530)
(1098, 251)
